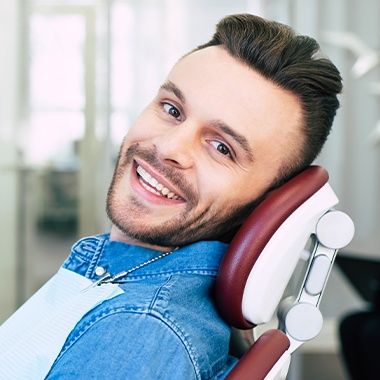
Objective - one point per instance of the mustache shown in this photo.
(174, 175)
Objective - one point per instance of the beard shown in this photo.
(187, 227)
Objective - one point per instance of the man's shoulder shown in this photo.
(84, 252)
(175, 310)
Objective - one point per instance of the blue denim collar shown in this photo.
(202, 257)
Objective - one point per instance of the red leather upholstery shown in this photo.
(261, 357)
(253, 236)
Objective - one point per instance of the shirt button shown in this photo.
(99, 271)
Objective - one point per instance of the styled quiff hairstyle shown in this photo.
(293, 62)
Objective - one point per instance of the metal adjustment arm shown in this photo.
(302, 320)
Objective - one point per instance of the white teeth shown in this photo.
(149, 188)
(155, 184)
(144, 174)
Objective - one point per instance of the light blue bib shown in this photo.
(31, 339)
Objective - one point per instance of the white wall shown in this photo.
(9, 96)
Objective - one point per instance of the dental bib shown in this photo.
(32, 338)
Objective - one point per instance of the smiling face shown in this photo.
(210, 143)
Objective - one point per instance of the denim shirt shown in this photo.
(164, 325)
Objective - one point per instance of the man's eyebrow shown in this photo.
(239, 138)
(171, 87)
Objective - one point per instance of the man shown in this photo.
(235, 118)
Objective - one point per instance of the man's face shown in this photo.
(211, 142)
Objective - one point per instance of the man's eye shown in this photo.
(172, 111)
(221, 148)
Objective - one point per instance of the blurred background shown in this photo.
(75, 74)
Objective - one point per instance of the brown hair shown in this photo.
(293, 62)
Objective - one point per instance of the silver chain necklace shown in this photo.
(108, 278)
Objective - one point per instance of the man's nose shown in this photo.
(177, 146)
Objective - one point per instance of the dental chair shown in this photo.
(295, 222)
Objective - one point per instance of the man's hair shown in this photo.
(293, 62)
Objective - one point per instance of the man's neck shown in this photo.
(118, 235)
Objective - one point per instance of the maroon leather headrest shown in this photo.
(253, 236)
(261, 357)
